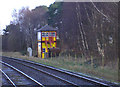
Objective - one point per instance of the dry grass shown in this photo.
(72, 64)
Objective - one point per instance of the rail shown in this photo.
(62, 71)
(8, 78)
(23, 73)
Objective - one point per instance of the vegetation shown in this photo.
(22, 32)
(55, 11)
(70, 63)
(88, 32)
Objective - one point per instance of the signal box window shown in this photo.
(47, 34)
(43, 50)
(50, 34)
(53, 34)
(43, 34)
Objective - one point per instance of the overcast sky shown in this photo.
(7, 7)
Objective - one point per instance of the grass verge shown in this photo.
(76, 65)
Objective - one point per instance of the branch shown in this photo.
(100, 11)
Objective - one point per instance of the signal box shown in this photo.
(46, 39)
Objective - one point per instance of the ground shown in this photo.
(73, 64)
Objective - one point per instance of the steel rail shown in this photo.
(50, 74)
(72, 74)
(8, 78)
(66, 72)
(23, 73)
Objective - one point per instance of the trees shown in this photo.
(105, 16)
(24, 24)
(87, 28)
(54, 14)
(90, 28)
(13, 39)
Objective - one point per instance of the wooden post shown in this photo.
(55, 55)
(75, 57)
(102, 62)
(91, 61)
(118, 69)
(69, 55)
(51, 55)
(59, 54)
(66, 55)
(83, 60)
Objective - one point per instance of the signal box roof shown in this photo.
(47, 28)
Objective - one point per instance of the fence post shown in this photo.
(51, 55)
(55, 55)
(83, 60)
(66, 55)
(91, 61)
(75, 57)
(69, 55)
(59, 54)
(118, 69)
(102, 62)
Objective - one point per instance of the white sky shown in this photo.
(7, 7)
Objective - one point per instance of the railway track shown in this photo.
(59, 74)
(20, 72)
(58, 79)
(9, 81)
